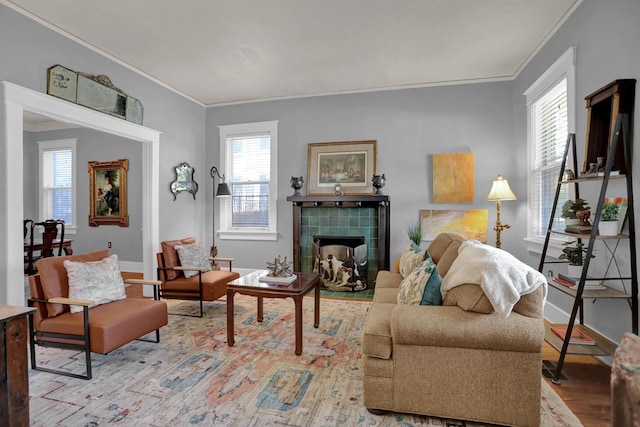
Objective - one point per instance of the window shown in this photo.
(57, 183)
(249, 152)
(550, 111)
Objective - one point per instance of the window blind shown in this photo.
(57, 183)
(249, 170)
(549, 127)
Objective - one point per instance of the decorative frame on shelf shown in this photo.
(347, 164)
(108, 193)
(184, 181)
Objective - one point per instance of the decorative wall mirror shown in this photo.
(184, 181)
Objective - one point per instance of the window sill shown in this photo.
(535, 246)
(247, 235)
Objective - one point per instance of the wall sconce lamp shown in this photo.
(223, 191)
(500, 191)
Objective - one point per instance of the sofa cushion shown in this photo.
(193, 255)
(410, 258)
(471, 297)
(387, 279)
(171, 259)
(376, 339)
(53, 277)
(413, 286)
(441, 243)
(98, 281)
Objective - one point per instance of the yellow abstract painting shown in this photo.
(453, 178)
(470, 224)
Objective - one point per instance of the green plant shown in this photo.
(574, 252)
(570, 207)
(414, 230)
(610, 212)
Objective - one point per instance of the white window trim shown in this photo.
(563, 67)
(247, 128)
(57, 145)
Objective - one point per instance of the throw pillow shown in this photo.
(193, 255)
(431, 294)
(98, 281)
(412, 287)
(171, 255)
(410, 258)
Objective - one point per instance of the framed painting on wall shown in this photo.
(453, 178)
(470, 224)
(108, 193)
(349, 165)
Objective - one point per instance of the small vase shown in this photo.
(608, 228)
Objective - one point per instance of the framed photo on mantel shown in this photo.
(348, 166)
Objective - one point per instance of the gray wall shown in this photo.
(93, 146)
(606, 36)
(28, 49)
(410, 126)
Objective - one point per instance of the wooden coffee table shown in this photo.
(250, 285)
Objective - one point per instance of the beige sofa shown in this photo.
(453, 361)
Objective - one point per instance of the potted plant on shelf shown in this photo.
(571, 207)
(608, 225)
(574, 252)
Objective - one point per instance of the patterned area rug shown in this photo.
(193, 378)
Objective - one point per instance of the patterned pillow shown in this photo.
(413, 286)
(410, 258)
(193, 255)
(99, 281)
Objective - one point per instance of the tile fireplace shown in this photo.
(354, 216)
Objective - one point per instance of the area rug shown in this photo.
(193, 378)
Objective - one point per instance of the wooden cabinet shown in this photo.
(603, 107)
(14, 368)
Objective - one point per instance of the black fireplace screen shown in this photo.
(341, 261)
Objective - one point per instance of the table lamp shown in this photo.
(500, 191)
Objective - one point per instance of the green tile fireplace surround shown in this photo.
(360, 215)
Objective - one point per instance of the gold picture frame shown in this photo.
(108, 193)
(349, 165)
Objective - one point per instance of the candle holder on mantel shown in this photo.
(378, 182)
(296, 184)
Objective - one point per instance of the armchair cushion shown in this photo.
(193, 255)
(98, 281)
(171, 258)
(53, 275)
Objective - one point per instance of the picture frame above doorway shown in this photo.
(349, 165)
(108, 193)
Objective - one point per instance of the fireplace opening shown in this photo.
(341, 262)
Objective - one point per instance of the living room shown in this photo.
(409, 125)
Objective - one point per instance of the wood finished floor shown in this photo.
(586, 391)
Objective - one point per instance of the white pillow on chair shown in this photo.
(98, 281)
(193, 255)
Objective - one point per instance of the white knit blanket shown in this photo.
(502, 277)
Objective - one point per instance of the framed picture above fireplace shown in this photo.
(349, 165)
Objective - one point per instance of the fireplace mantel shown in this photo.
(381, 202)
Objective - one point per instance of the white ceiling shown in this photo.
(220, 52)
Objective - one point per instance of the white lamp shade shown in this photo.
(501, 191)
